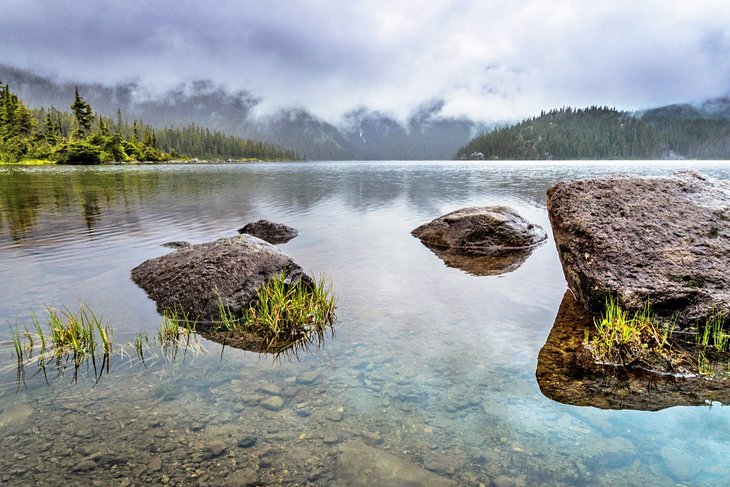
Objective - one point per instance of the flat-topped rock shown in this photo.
(662, 238)
(197, 277)
(480, 231)
(483, 241)
(275, 233)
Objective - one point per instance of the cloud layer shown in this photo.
(489, 60)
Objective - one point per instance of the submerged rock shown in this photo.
(662, 238)
(244, 477)
(361, 465)
(483, 241)
(275, 233)
(176, 244)
(566, 374)
(15, 417)
(231, 269)
(273, 403)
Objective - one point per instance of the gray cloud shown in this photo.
(490, 60)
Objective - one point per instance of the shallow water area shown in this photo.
(428, 363)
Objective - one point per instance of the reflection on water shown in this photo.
(430, 364)
(283, 349)
(491, 263)
(562, 377)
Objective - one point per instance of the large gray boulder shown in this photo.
(480, 230)
(194, 278)
(662, 238)
(483, 241)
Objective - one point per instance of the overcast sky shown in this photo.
(489, 59)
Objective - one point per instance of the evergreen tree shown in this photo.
(120, 125)
(51, 132)
(103, 128)
(23, 123)
(83, 115)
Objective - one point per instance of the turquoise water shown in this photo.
(428, 363)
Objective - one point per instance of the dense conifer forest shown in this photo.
(606, 133)
(83, 137)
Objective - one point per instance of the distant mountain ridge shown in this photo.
(714, 108)
(363, 134)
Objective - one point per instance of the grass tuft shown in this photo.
(227, 318)
(642, 339)
(623, 339)
(289, 312)
(77, 334)
(74, 338)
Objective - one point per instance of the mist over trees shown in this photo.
(675, 131)
(425, 135)
(211, 116)
(362, 134)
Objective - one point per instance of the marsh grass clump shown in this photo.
(288, 312)
(176, 332)
(75, 335)
(227, 318)
(714, 333)
(68, 337)
(78, 334)
(625, 339)
(75, 338)
(642, 339)
(284, 318)
(140, 343)
(713, 344)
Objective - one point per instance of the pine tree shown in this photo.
(120, 122)
(23, 123)
(103, 128)
(83, 115)
(147, 138)
(51, 132)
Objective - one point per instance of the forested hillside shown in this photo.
(83, 137)
(195, 141)
(693, 132)
(678, 131)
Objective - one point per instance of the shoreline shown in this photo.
(39, 162)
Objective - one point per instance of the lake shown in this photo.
(430, 370)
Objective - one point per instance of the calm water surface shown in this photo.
(428, 363)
